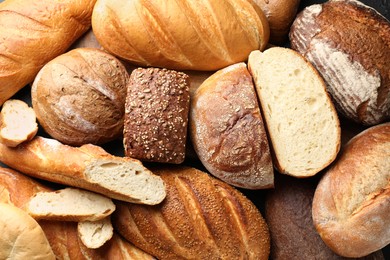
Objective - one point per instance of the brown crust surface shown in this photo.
(156, 116)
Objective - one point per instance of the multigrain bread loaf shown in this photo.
(156, 115)
(300, 118)
(79, 97)
(288, 210)
(351, 203)
(201, 218)
(349, 44)
(21, 236)
(18, 123)
(33, 33)
(88, 167)
(227, 130)
(181, 35)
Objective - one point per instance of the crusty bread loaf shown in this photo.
(349, 44)
(280, 15)
(18, 123)
(351, 203)
(288, 210)
(79, 97)
(69, 204)
(156, 116)
(21, 236)
(182, 35)
(227, 129)
(201, 218)
(301, 120)
(88, 167)
(33, 33)
(95, 234)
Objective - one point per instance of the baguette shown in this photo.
(88, 167)
(33, 33)
(95, 234)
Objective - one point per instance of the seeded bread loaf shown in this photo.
(156, 116)
(349, 44)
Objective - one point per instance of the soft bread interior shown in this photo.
(95, 234)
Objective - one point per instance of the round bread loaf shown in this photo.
(79, 97)
(201, 218)
(21, 236)
(182, 35)
(351, 203)
(227, 129)
(349, 44)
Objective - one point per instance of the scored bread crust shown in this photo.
(201, 218)
(351, 204)
(227, 130)
(182, 35)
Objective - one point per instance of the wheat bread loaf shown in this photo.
(351, 203)
(349, 44)
(300, 118)
(33, 33)
(88, 167)
(180, 35)
(227, 129)
(94, 234)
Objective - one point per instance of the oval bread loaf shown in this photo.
(182, 35)
(351, 204)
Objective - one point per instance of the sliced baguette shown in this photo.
(88, 167)
(70, 204)
(18, 123)
(302, 122)
(95, 234)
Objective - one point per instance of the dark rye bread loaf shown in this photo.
(349, 44)
(201, 218)
(156, 115)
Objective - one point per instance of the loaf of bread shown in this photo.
(201, 218)
(79, 97)
(280, 15)
(300, 118)
(88, 167)
(156, 116)
(33, 33)
(181, 35)
(18, 123)
(21, 236)
(227, 129)
(288, 210)
(351, 203)
(349, 44)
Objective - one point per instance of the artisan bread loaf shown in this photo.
(351, 203)
(227, 129)
(95, 234)
(17, 123)
(21, 236)
(88, 167)
(181, 35)
(79, 97)
(201, 218)
(301, 120)
(349, 44)
(156, 116)
(33, 33)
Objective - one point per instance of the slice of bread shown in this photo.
(70, 204)
(18, 123)
(302, 122)
(95, 234)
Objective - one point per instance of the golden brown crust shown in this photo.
(201, 218)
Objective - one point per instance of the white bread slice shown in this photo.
(300, 117)
(95, 234)
(18, 123)
(69, 204)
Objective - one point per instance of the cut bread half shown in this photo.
(18, 123)
(70, 204)
(95, 234)
(302, 122)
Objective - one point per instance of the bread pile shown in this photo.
(239, 129)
